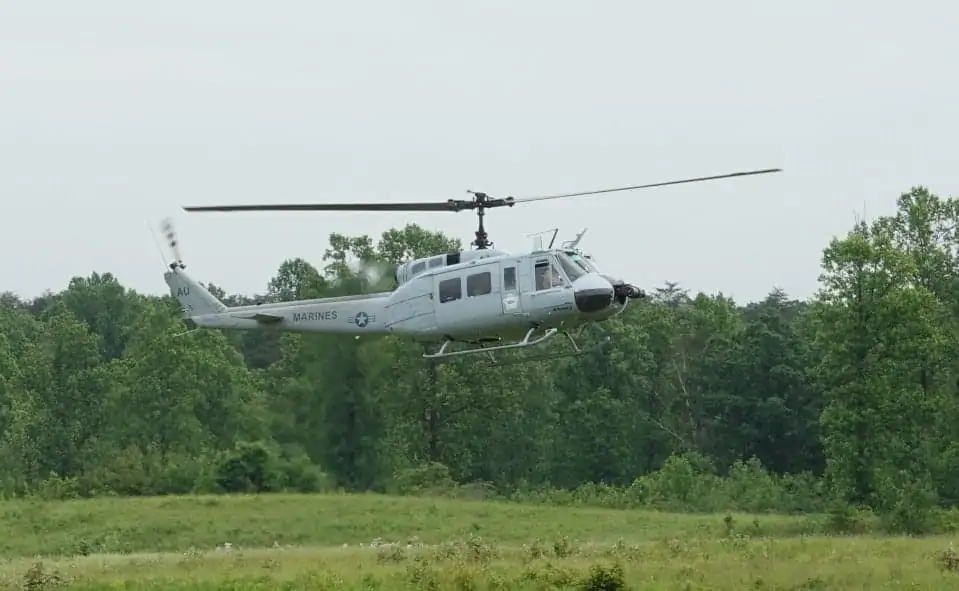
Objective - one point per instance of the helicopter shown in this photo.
(480, 301)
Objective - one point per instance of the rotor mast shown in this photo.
(482, 241)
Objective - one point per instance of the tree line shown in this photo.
(848, 398)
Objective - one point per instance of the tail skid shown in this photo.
(204, 309)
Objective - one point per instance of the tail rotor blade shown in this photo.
(170, 234)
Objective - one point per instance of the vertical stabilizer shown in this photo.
(195, 299)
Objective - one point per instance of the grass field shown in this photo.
(375, 542)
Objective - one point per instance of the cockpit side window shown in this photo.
(546, 275)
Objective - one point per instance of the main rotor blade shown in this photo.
(455, 204)
(434, 206)
(649, 186)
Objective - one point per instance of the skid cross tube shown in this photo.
(527, 341)
(575, 352)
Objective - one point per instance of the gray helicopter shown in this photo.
(479, 301)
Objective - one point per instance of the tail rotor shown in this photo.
(172, 242)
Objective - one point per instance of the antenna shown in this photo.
(538, 240)
(571, 244)
(553, 239)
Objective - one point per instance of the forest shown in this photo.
(845, 402)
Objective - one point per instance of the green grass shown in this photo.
(161, 524)
(316, 542)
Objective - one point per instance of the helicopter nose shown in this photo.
(592, 293)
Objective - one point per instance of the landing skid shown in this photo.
(443, 354)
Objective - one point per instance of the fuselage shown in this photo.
(500, 297)
(488, 298)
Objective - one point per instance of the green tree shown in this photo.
(885, 341)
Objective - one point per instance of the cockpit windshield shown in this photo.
(586, 264)
(573, 271)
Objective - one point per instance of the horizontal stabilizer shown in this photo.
(263, 318)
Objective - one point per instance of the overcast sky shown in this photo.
(113, 115)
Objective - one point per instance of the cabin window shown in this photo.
(451, 289)
(509, 279)
(479, 284)
(547, 277)
(418, 268)
(436, 262)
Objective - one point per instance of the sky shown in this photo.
(114, 115)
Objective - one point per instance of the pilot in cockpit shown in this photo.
(547, 277)
(542, 277)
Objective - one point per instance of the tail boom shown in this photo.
(359, 314)
(366, 316)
